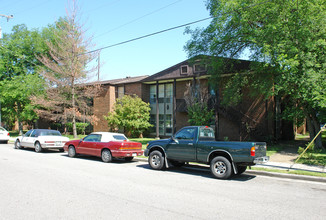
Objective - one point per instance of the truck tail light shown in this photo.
(8, 134)
(253, 151)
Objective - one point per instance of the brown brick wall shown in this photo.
(228, 130)
(134, 89)
(102, 105)
(254, 107)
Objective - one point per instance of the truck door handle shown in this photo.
(190, 144)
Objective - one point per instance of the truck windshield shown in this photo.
(206, 134)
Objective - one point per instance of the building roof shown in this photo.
(126, 80)
(176, 71)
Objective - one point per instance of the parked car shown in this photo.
(197, 144)
(105, 145)
(4, 135)
(41, 139)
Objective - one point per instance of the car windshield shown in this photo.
(50, 133)
(119, 137)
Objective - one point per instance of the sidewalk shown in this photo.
(287, 166)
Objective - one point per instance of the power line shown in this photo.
(148, 35)
(136, 19)
(165, 30)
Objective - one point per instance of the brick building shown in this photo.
(252, 119)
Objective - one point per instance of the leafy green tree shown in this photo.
(18, 67)
(200, 114)
(17, 52)
(131, 114)
(15, 100)
(286, 42)
(197, 97)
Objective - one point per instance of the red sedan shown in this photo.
(105, 145)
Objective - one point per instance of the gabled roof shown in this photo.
(174, 72)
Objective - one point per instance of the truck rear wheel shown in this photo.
(221, 167)
(156, 160)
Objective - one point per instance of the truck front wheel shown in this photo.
(156, 160)
(221, 167)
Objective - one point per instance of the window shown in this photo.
(93, 138)
(49, 133)
(119, 137)
(152, 94)
(28, 133)
(35, 133)
(199, 68)
(206, 134)
(121, 91)
(184, 70)
(186, 134)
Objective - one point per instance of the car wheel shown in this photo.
(129, 158)
(17, 144)
(221, 167)
(241, 169)
(106, 156)
(156, 160)
(71, 151)
(38, 147)
(177, 163)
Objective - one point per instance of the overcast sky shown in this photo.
(114, 21)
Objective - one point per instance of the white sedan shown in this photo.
(41, 139)
(4, 135)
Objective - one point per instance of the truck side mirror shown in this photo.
(175, 140)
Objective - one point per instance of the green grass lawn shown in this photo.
(143, 141)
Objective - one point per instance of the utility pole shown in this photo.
(98, 66)
(8, 17)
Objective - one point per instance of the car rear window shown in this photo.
(119, 137)
(2, 129)
(50, 133)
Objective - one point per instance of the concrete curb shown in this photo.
(287, 176)
(270, 174)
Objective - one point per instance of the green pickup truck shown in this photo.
(197, 144)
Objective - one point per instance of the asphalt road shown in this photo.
(51, 185)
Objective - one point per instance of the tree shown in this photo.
(16, 93)
(18, 74)
(66, 70)
(131, 114)
(286, 42)
(197, 98)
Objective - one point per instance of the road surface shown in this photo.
(51, 185)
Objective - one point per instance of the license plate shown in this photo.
(58, 143)
(134, 154)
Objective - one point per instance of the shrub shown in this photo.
(80, 126)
